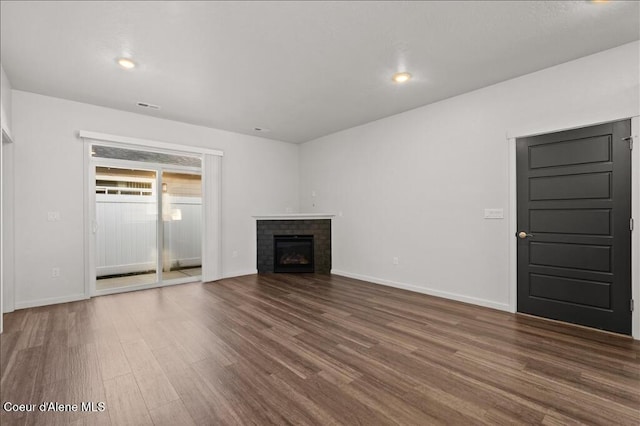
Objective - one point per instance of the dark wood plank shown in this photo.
(171, 414)
(204, 402)
(125, 403)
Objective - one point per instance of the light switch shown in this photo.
(493, 213)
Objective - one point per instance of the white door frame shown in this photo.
(635, 213)
(5, 139)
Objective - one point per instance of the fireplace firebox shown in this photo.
(293, 253)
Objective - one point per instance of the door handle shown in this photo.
(523, 235)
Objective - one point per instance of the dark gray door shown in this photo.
(574, 238)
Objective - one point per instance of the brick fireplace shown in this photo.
(290, 227)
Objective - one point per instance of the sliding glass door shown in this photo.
(126, 228)
(147, 219)
(182, 225)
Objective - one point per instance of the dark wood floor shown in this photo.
(305, 349)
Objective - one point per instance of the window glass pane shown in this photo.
(126, 228)
(182, 218)
(100, 151)
(115, 181)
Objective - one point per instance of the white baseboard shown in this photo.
(50, 301)
(239, 273)
(426, 290)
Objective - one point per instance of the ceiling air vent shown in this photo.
(146, 105)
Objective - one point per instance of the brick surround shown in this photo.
(319, 228)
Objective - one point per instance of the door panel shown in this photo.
(577, 256)
(570, 187)
(577, 221)
(574, 203)
(581, 151)
(583, 292)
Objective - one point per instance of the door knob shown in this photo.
(524, 235)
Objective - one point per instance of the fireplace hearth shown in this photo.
(293, 253)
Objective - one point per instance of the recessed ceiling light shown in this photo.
(126, 63)
(401, 77)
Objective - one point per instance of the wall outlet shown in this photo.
(234, 254)
(396, 261)
(53, 216)
(313, 193)
(288, 210)
(55, 272)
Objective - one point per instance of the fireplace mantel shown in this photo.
(294, 216)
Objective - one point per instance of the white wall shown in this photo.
(415, 185)
(259, 176)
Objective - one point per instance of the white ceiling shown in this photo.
(300, 69)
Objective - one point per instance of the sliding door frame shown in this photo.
(211, 190)
(158, 169)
